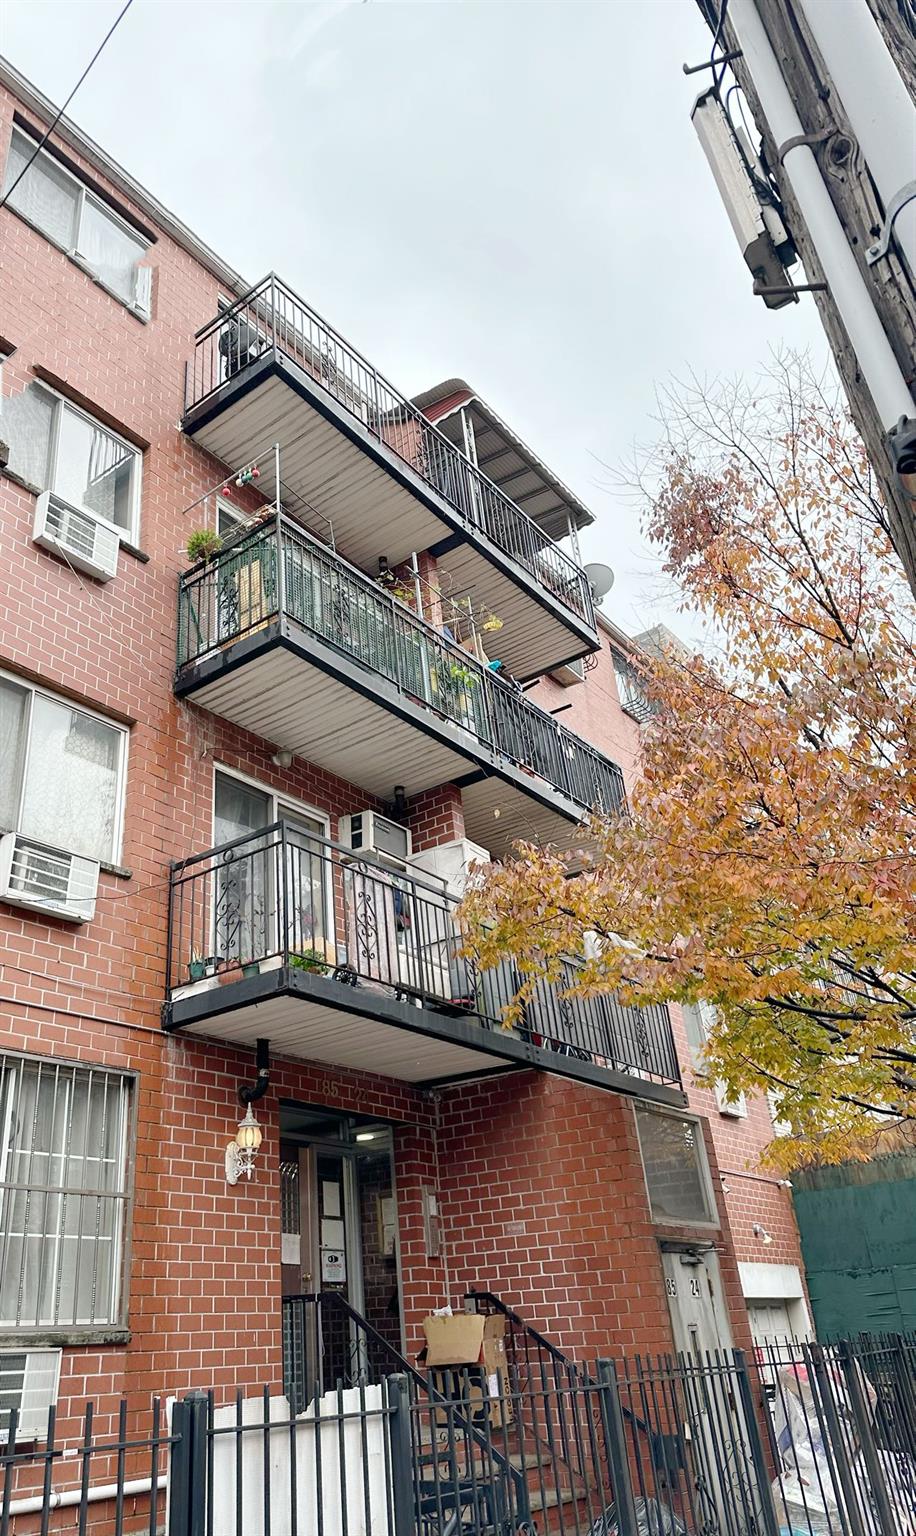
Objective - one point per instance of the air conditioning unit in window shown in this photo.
(83, 541)
(46, 879)
(368, 832)
(29, 1381)
(570, 672)
(736, 1108)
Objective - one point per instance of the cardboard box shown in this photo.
(479, 1345)
(454, 1340)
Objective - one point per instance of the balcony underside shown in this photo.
(318, 1019)
(289, 688)
(377, 504)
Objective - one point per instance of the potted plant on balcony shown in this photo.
(456, 684)
(309, 960)
(203, 544)
(203, 967)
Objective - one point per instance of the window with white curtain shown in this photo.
(63, 1194)
(61, 773)
(71, 216)
(59, 448)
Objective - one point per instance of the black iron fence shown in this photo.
(270, 318)
(286, 898)
(278, 568)
(803, 1440)
(90, 1471)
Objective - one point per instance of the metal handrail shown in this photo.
(239, 591)
(275, 318)
(401, 1365)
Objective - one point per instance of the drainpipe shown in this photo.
(35, 1503)
(249, 1094)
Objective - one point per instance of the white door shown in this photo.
(770, 1321)
(694, 1288)
(712, 1428)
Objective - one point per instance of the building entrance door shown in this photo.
(712, 1429)
(339, 1225)
(693, 1286)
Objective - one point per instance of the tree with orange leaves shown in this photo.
(766, 862)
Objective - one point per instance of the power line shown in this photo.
(10, 190)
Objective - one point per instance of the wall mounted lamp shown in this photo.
(241, 1153)
(762, 1234)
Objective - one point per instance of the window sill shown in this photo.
(55, 1338)
(118, 870)
(138, 314)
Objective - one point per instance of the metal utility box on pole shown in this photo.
(838, 128)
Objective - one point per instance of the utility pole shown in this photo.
(831, 86)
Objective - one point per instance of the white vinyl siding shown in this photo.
(72, 217)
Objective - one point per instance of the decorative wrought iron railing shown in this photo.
(286, 897)
(278, 569)
(271, 318)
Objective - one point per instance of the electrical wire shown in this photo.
(717, 35)
(43, 141)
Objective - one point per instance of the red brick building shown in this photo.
(263, 840)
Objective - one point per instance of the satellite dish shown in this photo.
(600, 579)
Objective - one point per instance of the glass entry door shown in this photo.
(250, 921)
(338, 1195)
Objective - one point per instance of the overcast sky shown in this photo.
(505, 191)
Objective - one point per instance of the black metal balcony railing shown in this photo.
(277, 568)
(270, 317)
(286, 897)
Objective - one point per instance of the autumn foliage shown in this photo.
(767, 863)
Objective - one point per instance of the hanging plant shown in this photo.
(491, 625)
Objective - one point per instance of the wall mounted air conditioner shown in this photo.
(83, 541)
(736, 1108)
(29, 1381)
(571, 672)
(450, 862)
(368, 832)
(46, 879)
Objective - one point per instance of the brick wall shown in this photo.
(545, 1204)
(557, 1160)
(436, 816)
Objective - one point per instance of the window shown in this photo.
(71, 216)
(63, 1194)
(677, 1173)
(57, 447)
(61, 773)
(695, 1028)
(699, 1019)
(229, 519)
(630, 689)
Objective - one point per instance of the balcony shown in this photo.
(284, 638)
(364, 458)
(337, 959)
